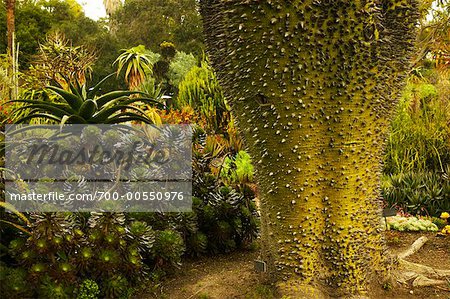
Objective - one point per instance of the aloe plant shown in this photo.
(137, 64)
(82, 105)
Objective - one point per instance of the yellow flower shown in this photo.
(446, 230)
(445, 215)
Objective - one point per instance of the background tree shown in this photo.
(152, 22)
(36, 19)
(434, 36)
(11, 30)
(313, 85)
(10, 23)
(111, 6)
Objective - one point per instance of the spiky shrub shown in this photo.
(58, 60)
(82, 105)
(313, 85)
(418, 193)
(201, 90)
(137, 63)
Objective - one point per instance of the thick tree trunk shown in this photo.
(10, 31)
(10, 24)
(313, 84)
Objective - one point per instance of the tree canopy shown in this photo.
(152, 22)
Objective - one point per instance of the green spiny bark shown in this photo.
(313, 85)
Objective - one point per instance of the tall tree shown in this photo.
(10, 32)
(111, 6)
(152, 22)
(313, 85)
(10, 23)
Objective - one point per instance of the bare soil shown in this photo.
(233, 277)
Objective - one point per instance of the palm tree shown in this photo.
(137, 65)
(111, 6)
(313, 85)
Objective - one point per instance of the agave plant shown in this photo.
(81, 105)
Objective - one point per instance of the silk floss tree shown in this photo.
(313, 85)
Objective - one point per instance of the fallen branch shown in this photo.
(422, 281)
(419, 275)
(413, 248)
(423, 270)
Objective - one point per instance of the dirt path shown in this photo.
(233, 277)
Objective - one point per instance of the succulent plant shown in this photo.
(82, 105)
(168, 249)
(14, 283)
(49, 288)
(141, 235)
(114, 286)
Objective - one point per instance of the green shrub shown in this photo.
(440, 223)
(180, 66)
(200, 89)
(52, 288)
(14, 283)
(88, 290)
(411, 224)
(168, 249)
(239, 169)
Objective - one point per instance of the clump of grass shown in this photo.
(420, 132)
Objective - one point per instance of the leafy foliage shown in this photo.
(82, 105)
(420, 132)
(200, 89)
(36, 19)
(151, 23)
(181, 64)
(238, 169)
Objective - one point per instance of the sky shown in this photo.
(94, 9)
